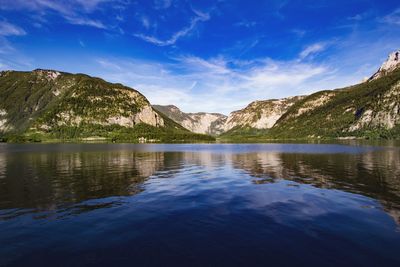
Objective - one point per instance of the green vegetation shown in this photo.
(42, 106)
(335, 116)
(109, 133)
(172, 112)
(93, 99)
(243, 134)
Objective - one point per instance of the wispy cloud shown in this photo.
(299, 32)
(312, 49)
(11, 57)
(90, 5)
(108, 64)
(145, 22)
(82, 43)
(85, 22)
(36, 5)
(74, 12)
(162, 4)
(8, 29)
(5, 47)
(198, 84)
(246, 23)
(200, 17)
(392, 18)
(3, 66)
(61, 6)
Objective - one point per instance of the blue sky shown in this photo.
(213, 56)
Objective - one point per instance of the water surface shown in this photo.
(199, 205)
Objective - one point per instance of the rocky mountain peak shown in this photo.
(173, 108)
(392, 63)
(201, 122)
(260, 114)
(48, 74)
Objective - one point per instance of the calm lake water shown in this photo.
(199, 205)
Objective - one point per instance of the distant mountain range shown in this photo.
(46, 104)
(369, 109)
(202, 122)
(258, 115)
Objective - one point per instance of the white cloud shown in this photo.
(5, 47)
(65, 7)
(85, 22)
(215, 65)
(3, 66)
(246, 23)
(312, 49)
(162, 4)
(145, 22)
(74, 12)
(37, 5)
(392, 18)
(12, 58)
(8, 29)
(90, 5)
(201, 17)
(357, 17)
(299, 32)
(196, 84)
(108, 64)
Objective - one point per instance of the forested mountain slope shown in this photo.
(44, 104)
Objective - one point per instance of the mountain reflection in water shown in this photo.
(206, 185)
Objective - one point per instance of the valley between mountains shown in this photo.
(45, 105)
(370, 109)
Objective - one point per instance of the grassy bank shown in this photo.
(109, 133)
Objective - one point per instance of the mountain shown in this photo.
(47, 104)
(388, 66)
(260, 114)
(203, 123)
(369, 110)
(257, 115)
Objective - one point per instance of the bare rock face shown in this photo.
(149, 116)
(49, 75)
(260, 114)
(385, 114)
(392, 63)
(52, 99)
(207, 123)
(3, 120)
(203, 123)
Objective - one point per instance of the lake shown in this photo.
(199, 205)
